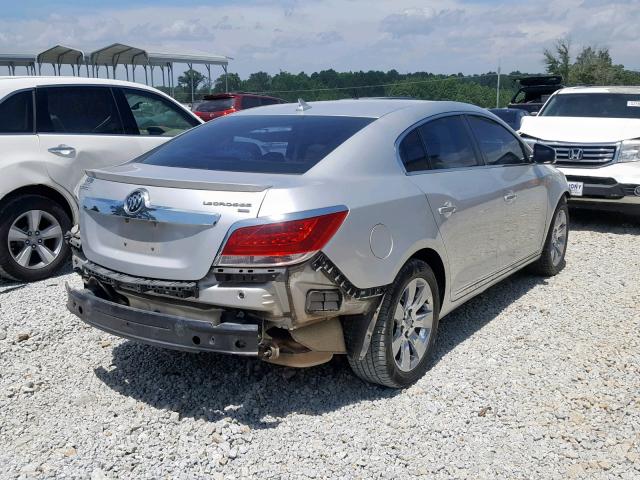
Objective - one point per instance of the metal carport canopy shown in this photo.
(62, 55)
(162, 58)
(13, 60)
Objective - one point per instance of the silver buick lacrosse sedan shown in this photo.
(295, 232)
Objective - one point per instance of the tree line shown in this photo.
(590, 66)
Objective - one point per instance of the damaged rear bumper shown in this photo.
(163, 330)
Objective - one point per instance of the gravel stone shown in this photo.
(535, 378)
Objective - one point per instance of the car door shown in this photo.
(82, 127)
(522, 186)
(79, 128)
(441, 159)
(18, 141)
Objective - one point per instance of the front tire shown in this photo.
(403, 337)
(32, 245)
(552, 260)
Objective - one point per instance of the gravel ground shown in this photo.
(535, 378)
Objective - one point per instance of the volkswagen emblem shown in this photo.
(136, 201)
(575, 154)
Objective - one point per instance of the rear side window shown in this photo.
(289, 144)
(448, 143)
(154, 115)
(412, 153)
(217, 105)
(251, 102)
(74, 110)
(16, 113)
(497, 144)
(269, 101)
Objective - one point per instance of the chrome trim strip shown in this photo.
(150, 213)
(124, 177)
(285, 217)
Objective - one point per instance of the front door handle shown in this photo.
(447, 209)
(63, 150)
(510, 197)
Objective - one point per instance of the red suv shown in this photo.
(214, 106)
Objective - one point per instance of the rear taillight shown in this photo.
(280, 243)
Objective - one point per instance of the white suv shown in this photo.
(51, 130)
(596, 134)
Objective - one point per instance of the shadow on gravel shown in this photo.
(257, 394)
(10, 285)
(604, 222)
(467, 319)
(212, 386)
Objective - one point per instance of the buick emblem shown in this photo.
(136, 201)
(637, 191)
(575, 154)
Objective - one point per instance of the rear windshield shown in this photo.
(608, 105)
(257, 143)
(215, 105)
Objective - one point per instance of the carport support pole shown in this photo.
(146, 78)
(126, 69)
(209, 76)
(226, 79)
(190, 65)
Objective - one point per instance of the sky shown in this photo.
(447, 36)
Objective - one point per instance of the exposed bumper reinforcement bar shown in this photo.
(163, 330)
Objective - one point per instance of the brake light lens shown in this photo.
(280, 243)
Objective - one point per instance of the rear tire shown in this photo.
(403, 338)
(32, 245)
(552, 260)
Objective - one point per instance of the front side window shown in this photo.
(497, 144)
(290, 144)
(448, 143)
(412, 153)
(78, 110)
(601, 105)
(16, 113)
(154, 115)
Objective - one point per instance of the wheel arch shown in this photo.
(434, 260)
(44, 191)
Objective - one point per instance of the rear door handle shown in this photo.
(63, 150)
(447, 209)
(510, 197)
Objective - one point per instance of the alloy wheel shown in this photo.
(413, 323)
(35, 239)
(559, 237)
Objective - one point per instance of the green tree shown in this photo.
(592, 66)
(191, 79)
(558, 61)
(231, 79)
(257, 82)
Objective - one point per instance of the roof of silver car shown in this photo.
(366, 107)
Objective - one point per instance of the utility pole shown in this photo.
(498, 88)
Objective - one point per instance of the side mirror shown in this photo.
(543, 154)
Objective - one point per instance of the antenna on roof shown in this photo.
(302, 105)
